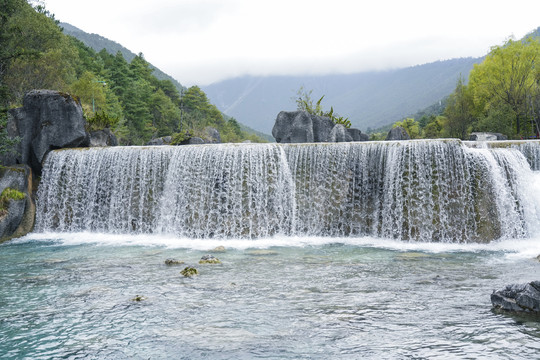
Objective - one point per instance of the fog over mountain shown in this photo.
(369, 99)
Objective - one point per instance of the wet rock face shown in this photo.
(48, 120)
(302, 127)
(518, 298)
(20, 215)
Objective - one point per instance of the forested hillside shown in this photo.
(114, 92)
(501, 96)
(98, 42)
(369, 100)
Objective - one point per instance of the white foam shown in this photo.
(515, 248)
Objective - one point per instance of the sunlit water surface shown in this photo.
(71, 296)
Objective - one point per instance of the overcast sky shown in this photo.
(203, 41)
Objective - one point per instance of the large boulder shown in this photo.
(339, 133)
(303, 127)
(357, 135)
(518, 297)
(100, 138)
(398, 133)
(164, 140)
(20, 215)
(48, 120)
(193, 141)
(487, 136)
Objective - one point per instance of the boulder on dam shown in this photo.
(48, 120)
(303, 127)
(397, 133)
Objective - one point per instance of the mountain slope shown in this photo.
(98, 42)
(370, 99)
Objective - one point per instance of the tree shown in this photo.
(9, 34)
(90, 91)
(458, 112)
(434, 128)
(508, 75)
(6, 142)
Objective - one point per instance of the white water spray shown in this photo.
(429, 191)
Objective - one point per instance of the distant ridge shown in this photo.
(98, 43)
(369, 99)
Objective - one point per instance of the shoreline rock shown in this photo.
(521, 298)
(20, 216)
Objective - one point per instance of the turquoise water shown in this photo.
(71, 296)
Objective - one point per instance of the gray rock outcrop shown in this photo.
(211, 135)
(339, 134)
(487, 136)
(357, 135)
(518, 298)
(165, 140)
(302, 127)
(19, 219)
(398, 133)
(193, 141)
(48, 120)
(100, 138)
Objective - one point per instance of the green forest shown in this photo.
(122, 95)
(502, 96)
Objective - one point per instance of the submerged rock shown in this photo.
(189, 271)
(209, 259)
(138, 298)
(171, 262)
(518, 298)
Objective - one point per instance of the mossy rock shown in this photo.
(138, 298)
(189, 271)
(10, 194)
(172, 262)
(209, 259)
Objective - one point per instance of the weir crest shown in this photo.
(422, 190)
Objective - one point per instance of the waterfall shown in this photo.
(427, 190)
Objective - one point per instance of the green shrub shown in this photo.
(7, 195)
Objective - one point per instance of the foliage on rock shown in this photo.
(7, 195)
(115, 93)
(304, 102)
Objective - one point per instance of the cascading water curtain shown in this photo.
(413, 190)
